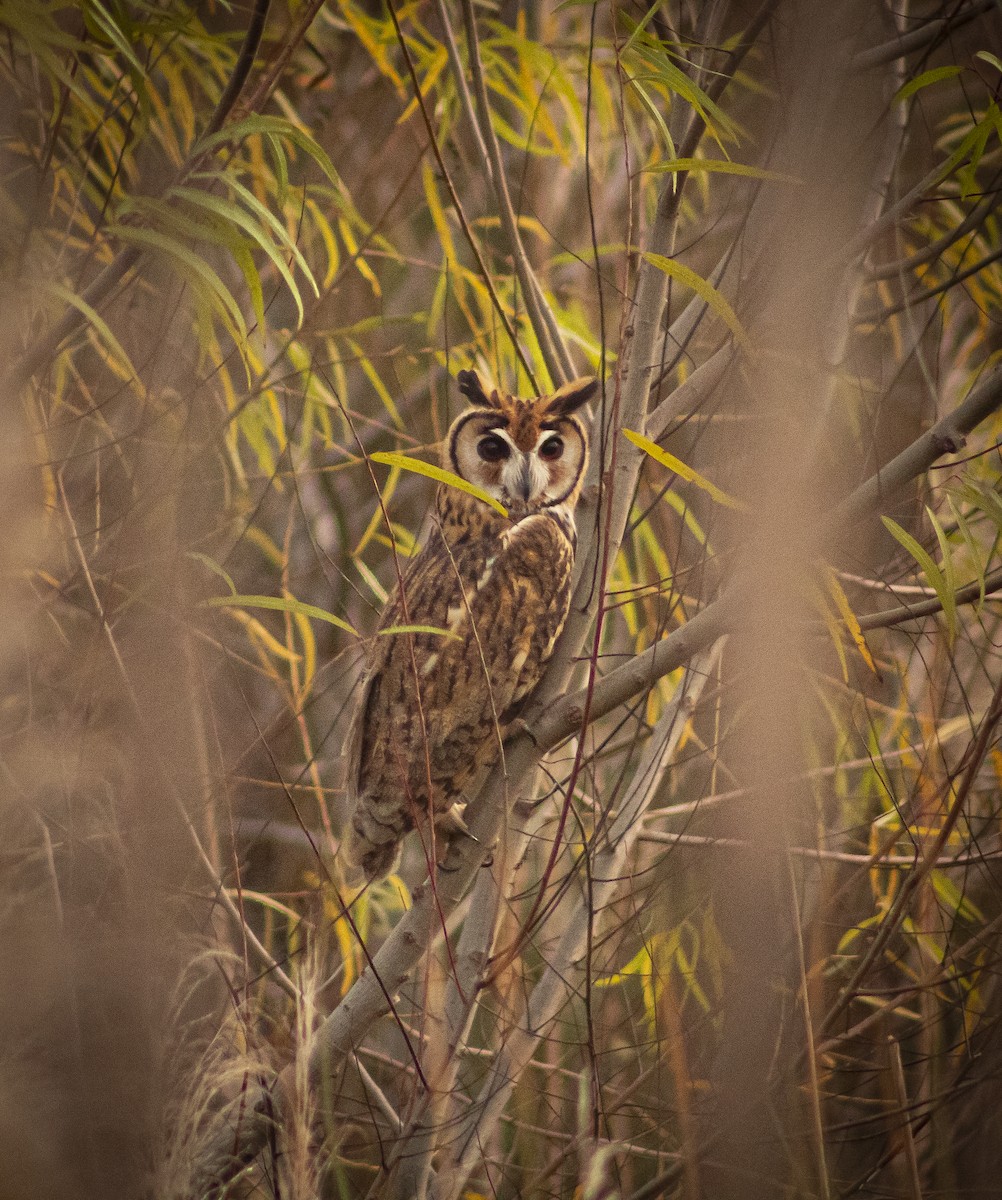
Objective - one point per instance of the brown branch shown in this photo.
(558, 360)
(241, 68)
(875, 315)
(673, 651)
(934, 31)
(456, 203)
(974, 218)
(967, 594)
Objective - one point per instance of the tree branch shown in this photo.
(555, 353)
(935, 30)
(610, 872)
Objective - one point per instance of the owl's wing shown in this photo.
(505, 623)
(378, 652)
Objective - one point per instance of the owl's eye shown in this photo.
(552, 448)
(492, 448)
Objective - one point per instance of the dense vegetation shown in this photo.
(730, 922)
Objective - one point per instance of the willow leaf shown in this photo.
(114, 346)
(849, 617)
(949, 574)
(278, 126)
(936, 578)
(194, 267)
(266, 217)
(391, 459)
(226, 210)
(925, 79)
(705, 290)
(721, 166)
(681, 470)
(279, 604)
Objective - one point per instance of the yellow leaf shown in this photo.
(682, 471)
(389, 459)
(281, 604)
(852, 622)
(705, 290)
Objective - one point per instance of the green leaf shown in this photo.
(226, 210)
(280, 604)
(936, 578)
(96, 12)
(271, 125)
(390, 459)
(925, 79)
(720, 166)
(194, 266)
(644, 22)
(949, 575)
(988, 57)
(972, 547)
(99, 323)
(214, 567)
(681, 470)
(655, 114)
(705, 290)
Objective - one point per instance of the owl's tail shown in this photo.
(371, 849)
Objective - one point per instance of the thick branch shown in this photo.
(677, 648)
(610, 873)
(933, 31)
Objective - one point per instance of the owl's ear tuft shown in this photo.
(473, 390)
(571, 396)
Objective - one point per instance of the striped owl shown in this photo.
(492, 592)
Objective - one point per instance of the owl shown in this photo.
(466, 634)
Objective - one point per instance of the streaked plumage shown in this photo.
(434, 706)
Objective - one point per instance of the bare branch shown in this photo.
(934, 30)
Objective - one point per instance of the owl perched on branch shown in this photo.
(491, 594)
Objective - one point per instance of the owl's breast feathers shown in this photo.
(490, 597)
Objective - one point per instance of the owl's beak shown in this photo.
(523, 482)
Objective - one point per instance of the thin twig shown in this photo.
(891, 270)
(457, 204)
(873, 315)
(555, 354)
(928, 862)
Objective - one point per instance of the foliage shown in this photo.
(739, 921)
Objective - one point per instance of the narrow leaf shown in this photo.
(850, 618)
(925, 79)
(99, 324)
(705, 290)
(682, 471)
(937, 581)
(390, 459)
(280, 604)
(213, 566)
(720, 166)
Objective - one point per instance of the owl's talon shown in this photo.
(452, 821)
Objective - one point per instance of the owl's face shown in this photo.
(526, 454)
